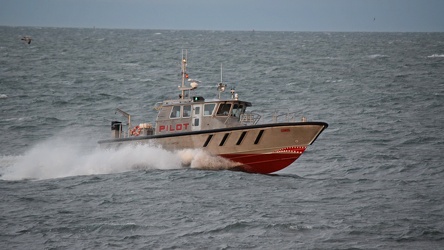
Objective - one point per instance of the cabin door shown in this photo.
(197, 117)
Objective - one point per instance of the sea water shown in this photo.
(372, 180)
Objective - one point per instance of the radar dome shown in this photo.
(194, 85)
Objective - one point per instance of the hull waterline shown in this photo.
(263, 163)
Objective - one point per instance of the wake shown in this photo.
(56, 158)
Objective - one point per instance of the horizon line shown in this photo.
(213, 30)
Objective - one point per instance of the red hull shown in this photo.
(268, 162)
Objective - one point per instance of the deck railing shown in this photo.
(286, 117)
(250, 118)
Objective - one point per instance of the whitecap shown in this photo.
(19, 119)
(3, 96)
(436, 55)
(375, 56)
(130, 64)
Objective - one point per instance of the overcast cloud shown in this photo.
(270, 15)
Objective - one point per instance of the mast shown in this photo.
(221, 86)
(194, 83)
(184, 73)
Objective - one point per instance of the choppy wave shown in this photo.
(373, 179)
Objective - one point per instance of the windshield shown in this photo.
(224, 109)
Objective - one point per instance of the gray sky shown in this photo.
(269, 15)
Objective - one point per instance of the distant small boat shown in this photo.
(27, 39)
(221, 127)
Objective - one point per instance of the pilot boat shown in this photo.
(221, 127)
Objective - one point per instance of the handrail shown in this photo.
(158, 106)
(250, 117)
(289, 116)
(128, 116)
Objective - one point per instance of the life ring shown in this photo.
(135, 131)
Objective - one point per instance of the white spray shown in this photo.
(56, 158)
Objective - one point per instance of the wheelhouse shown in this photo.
(197, 114)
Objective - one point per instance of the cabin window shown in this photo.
(196, 110)
(186, 111)
(224, 109)
(196, 122)
(175, 112)
(237, 110)
(209, 109)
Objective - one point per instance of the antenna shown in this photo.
(221, 73)
(184, 71)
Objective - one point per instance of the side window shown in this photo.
(186, 111)
(224, 109)
(209, 109)
(175, 112)
(237, 110)
(197, 110)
